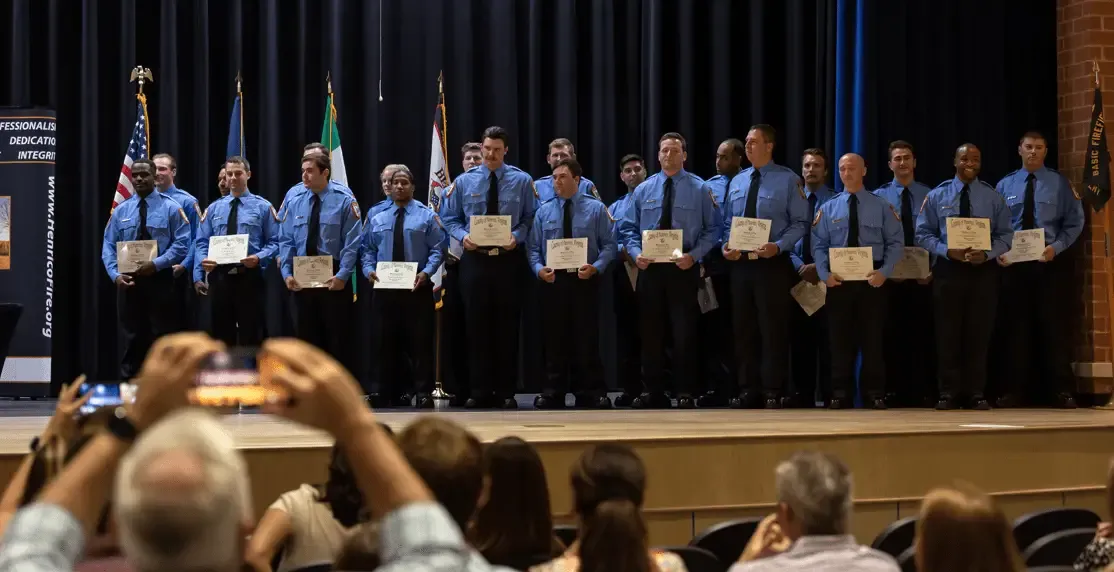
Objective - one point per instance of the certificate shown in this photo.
(632, 275)
(811, 297)
(973, 233)
(228, 249)
(851, 263)
(313, 271)
(748, 234)
(566, 253)
(662, 245)
(1028, 245)
(490, 230)
(395, 275)
(913, 264)
(131, 254)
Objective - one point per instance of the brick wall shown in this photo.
(1085, 33)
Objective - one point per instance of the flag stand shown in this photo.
(440, 396)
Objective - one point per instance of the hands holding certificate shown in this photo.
(967, 255)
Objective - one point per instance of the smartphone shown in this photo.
(237, 377)
(105, 395)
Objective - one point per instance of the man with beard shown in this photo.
(965, 287)
(559, 150)
(632, 171)
(166, 168)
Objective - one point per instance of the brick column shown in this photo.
(1085, 34)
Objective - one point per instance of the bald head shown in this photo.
(968, 162)
(852, 169)
(176, 471)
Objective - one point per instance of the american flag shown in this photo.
(137, 149)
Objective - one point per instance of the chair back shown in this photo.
(1059, 548)
(727, 540)
(566, 533)
(1030, 527)
(697, 559)
(908, 560)
(897, 537)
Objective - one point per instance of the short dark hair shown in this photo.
(449, 458)
(817, 152)
(674, 135)
(168, 156)
(768, 132)
(900, 144)
(630, 157)
(736, 146)
(471, 146)
(496, 132)
(572, 164)
(147, 162)
(562, 142)
(315, 145)
(1033, 135)
(405, 171)
(240, 160)
(320, 161)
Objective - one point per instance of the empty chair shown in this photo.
(1028, 528)
(567, 533)
(697, 559)
(727, 540)
(896, 538)
(1059, 548)
(908, 560)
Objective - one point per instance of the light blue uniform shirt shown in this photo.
(339, 231)
(468, 196)
(879, 228)
(166, 223)
(618, 210)
(823, 195)
(422, 236)
(544, 186)
(1057, 210)
(943, 202)
(301, 188)
(589, 220)
(193, 213)
(694, 212)
(255, 217)
(780, 200)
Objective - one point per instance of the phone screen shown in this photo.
(232, 378)
(106, 395)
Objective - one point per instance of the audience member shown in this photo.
(1100, 552)
(961, 530)
(360, 552)
(449, 459)
(608, 486)
(814, 513)
(514, 526)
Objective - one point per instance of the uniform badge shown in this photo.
(185, 219)
(923, 203)
(894, 212)
(274, 214)
(532, 186)
(355, 210)
(816, 219)
(204, 214)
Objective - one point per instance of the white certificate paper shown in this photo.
(748, 234)
(913, 264)
(131, 254)
(1028, 245)
(811, 297)
(490, 230)
(313, 271)
(852, 263)
(662, 245)
(973, 233)
(566, 253)
(395, 275)
(228, 249)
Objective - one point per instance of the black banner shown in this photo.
(1096, 172)
(28, 149)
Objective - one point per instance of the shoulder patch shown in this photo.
(923, 203)
(449, 191)
(1074, 192)
(181, 212)
(197, 208)
(205, 213)
(894, 212)
(355, 209)
(819, 215)
(535, 188)
(111, 212)
(274, 214)
(596, 194)
(712, 196)
(801, 189)
(439, 223)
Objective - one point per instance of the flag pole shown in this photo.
(142, 75)
(1107, 226)
(240, 96)
(439, 392)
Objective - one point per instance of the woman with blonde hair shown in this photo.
(961, 530)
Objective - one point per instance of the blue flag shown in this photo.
(1096, 170)
(236, 130)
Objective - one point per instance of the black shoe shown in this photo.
(652, 401)
(404, 400)
(1066, 401)
(423, 402)
(773, 403)
(686, 402)
(601, 402)
(746, 400)
(475, 403)
(509, 403)
(878, 403)
(710, 399)
(1006, 402)
(625, 399)
(837, 403)
(945, 403)
(548, 401)
(980, 404)
(376, 400)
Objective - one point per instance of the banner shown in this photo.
(27, 153)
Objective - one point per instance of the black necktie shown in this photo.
(493, 194)
(143, 234)
(752, 195)
(965, 201)
(233, 220)
(807, 254)
(314, 226)
(398, 253)
(853, 221)
(1028, 215)
(666, 221)
(566, 224)
(907, 215)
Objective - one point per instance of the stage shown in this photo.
(707, 466)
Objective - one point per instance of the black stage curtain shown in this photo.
(610, 75)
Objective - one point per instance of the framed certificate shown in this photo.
(313, 271)
(566, 253)
(395, 275)
(748, 234)
(852, 263)
(662, 245)
(228, 249)
(490, 230)
(1028, 245)
(131, 254)
(913, 264)
(973, 233)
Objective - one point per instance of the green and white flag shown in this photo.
(330, 138)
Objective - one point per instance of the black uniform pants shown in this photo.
(628, 338)
(571, 332)
(324, 318)
(1037, 333)
(760, 316)
(492, 309)
(185, 301)
(667, 304)
(237, 305)
(965, 302)
(404, 332)
(910, 343)
(857, 322)
(716, 347)
(811, 365)
(454, 333)
(147, 311)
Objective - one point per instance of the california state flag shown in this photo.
(330, 138)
